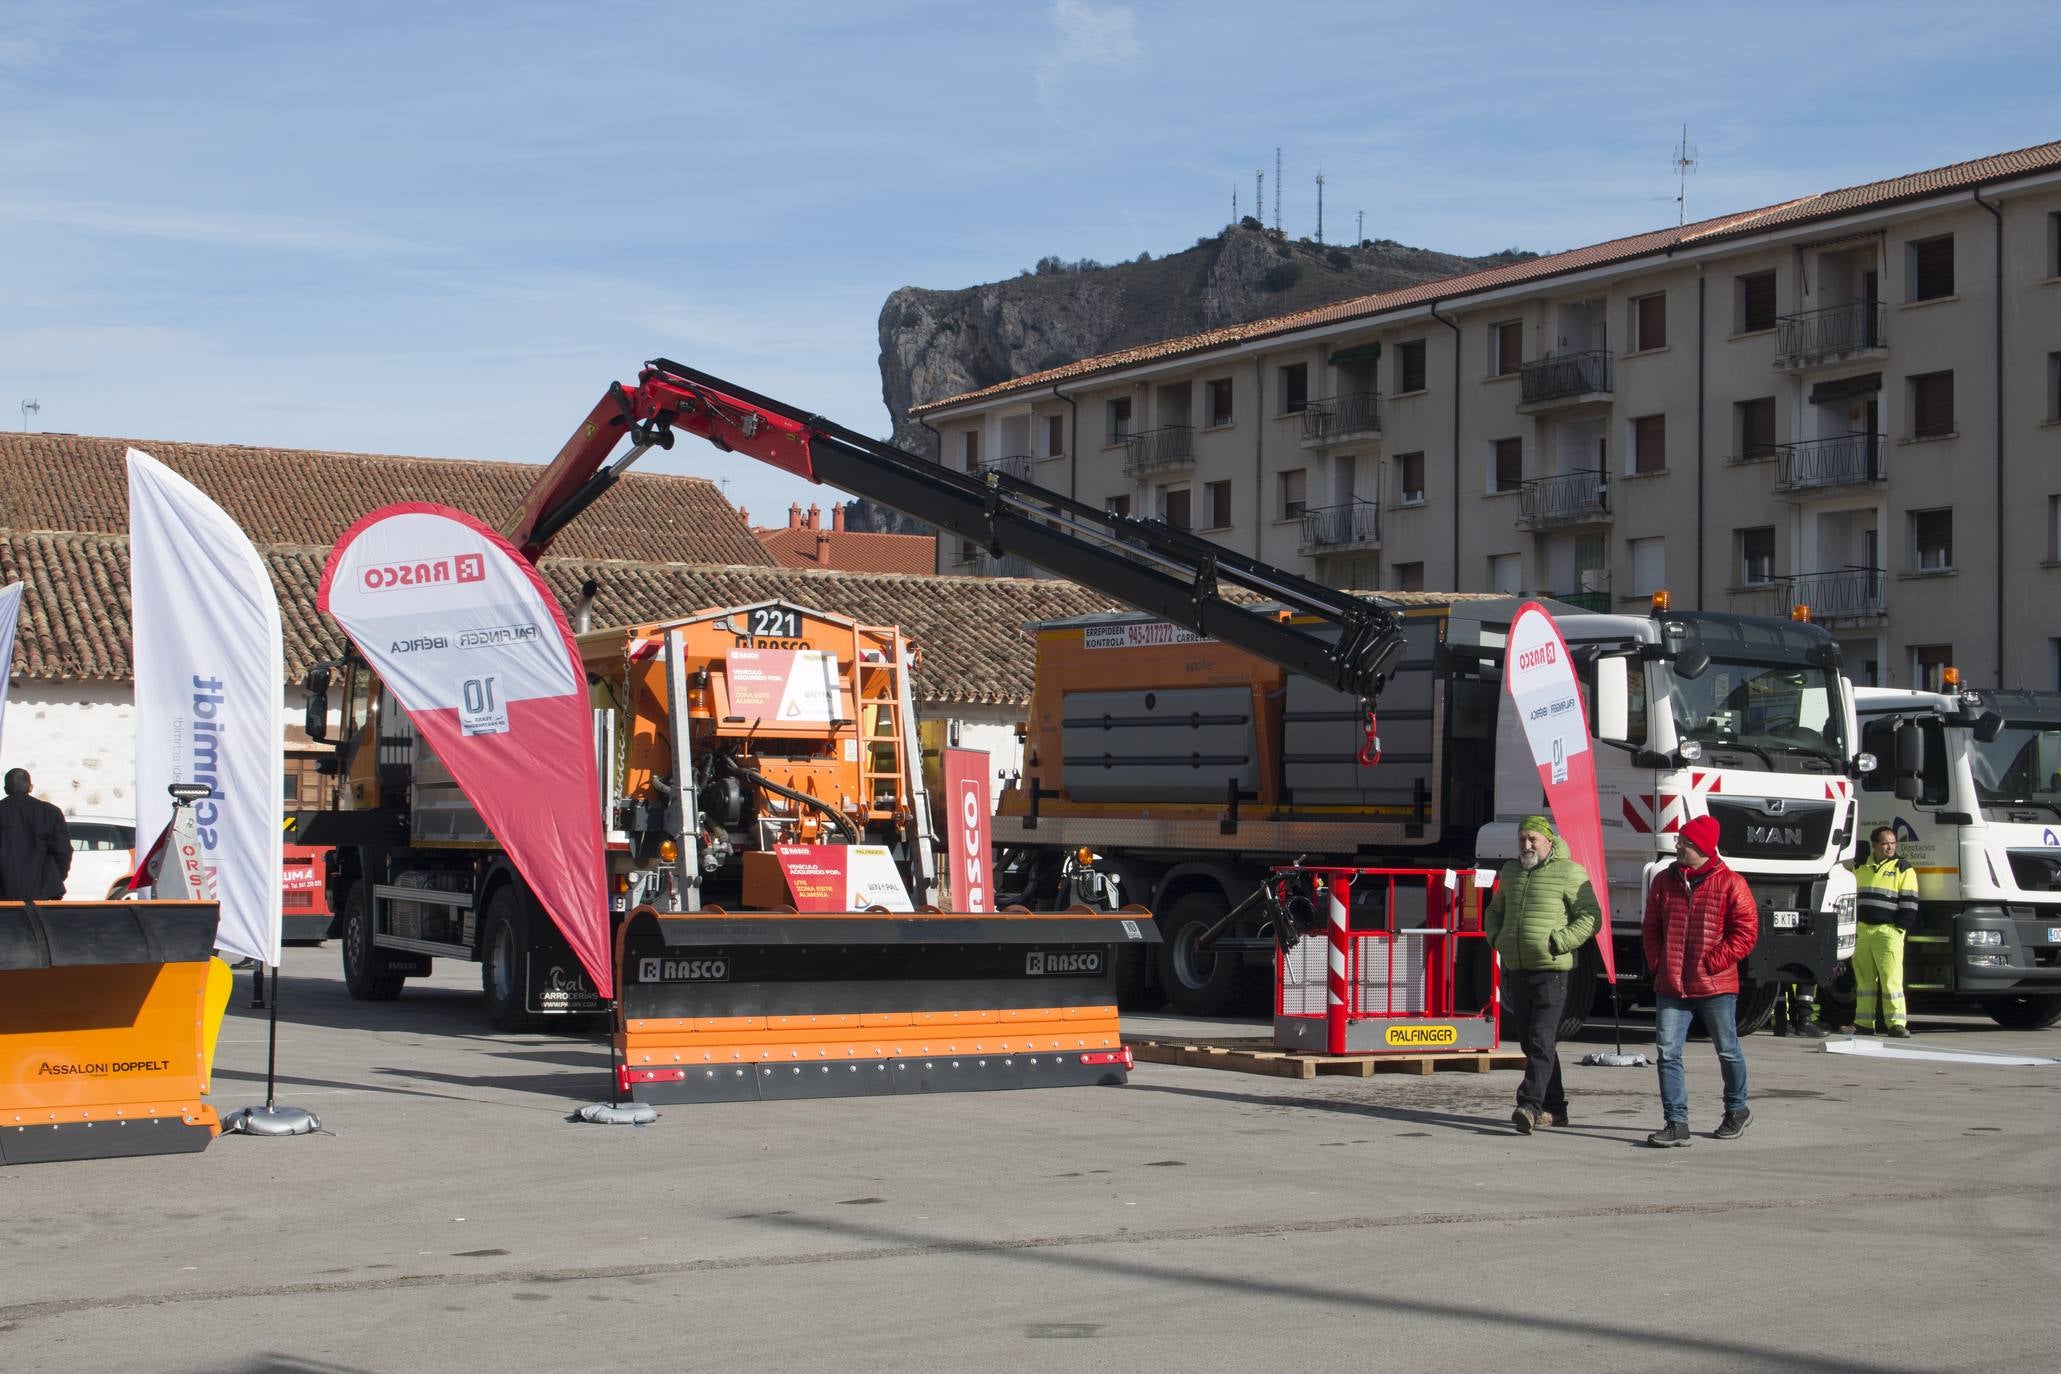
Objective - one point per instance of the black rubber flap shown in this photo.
(70, 934)
(728, 930)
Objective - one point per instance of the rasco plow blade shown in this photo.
(107, 1028)
(724, 1007)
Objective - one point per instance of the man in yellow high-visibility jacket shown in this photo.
(1888, 911)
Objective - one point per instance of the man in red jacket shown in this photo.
(1701, 921)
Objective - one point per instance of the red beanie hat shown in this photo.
(1703, 833)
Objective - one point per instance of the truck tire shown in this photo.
(1135, 990)
(2022, 1013)
(1200, 982)
(503, 962)
(364, 974)
(1756, 1005)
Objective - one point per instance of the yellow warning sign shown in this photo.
(1422, 1037)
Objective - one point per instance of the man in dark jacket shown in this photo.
(1543, 912)
(35, 848)
(1701, 921)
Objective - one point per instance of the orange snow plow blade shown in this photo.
(108, 1017)
(746, 1006)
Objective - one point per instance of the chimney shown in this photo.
(745, 516)
(823, 549)
(815, 516)
(794, 516)
(837, 516)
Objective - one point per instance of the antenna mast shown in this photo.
(1685, 167)
(1320, 207)
(1277, 188)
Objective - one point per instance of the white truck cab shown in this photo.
(1971, 785)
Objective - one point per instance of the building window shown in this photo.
(1295, 493)
(2054, 244)
(1756, 302)
(1174, 503)
(1649, 444)
(1220, 401)
(1118, 505)
(1409, 366)
(2054, 386)
(1756, 556)
(1755, 421)
(1932, 539)
(1055, 436)
(1929, 663)
(1932, 268)
(1295, 388)
(2054, 529)
(971, 449)
(1218, 495)
(1506, 348)
(1932, 405)
(1506, 465)
(1649, 565)
(1506, 573)
(1409, 471)
(1119, 419)
(1409, 577)
(1649, 322)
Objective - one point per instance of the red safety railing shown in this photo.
(1412, 954)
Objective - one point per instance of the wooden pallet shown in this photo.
(1261, 1056)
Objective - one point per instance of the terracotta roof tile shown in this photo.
(75, 609)
(850, 550)
(2044, 157)
(294, 496)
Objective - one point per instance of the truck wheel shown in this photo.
(2023, 1013)
(1756, 1005)
(1135, 990)
(1836, 1003)
(1200, 982)
(1582, 984)
(503, 971)
(364, 971)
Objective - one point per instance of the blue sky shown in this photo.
(442, 229)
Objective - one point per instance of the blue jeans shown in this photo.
(1671, 1032)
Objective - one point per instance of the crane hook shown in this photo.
(1370, 748)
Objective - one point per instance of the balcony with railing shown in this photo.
(1844, 460)
(1341, 419)
(975, 561)
(1017, 465)
(1594, 596)
(1842, 594)
(1159, 450)
(1564, 379)
(1353, 525)
(1835, 334)
(1572, 498)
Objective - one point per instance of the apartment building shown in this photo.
(1849, 401)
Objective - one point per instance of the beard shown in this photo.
(1529, 860)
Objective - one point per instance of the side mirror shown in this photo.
(315, 716)
(1651, 758)
(1692, 663)
(1988, 726)
(1909, 787)
(1613, 701)
(1910, 751)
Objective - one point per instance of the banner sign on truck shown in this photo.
(842, 877)
(968, 830)
(471, 643)
(209, 668)
(1539, 676)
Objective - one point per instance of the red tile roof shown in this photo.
(851, 550)
(295, 496)
(75, 609)
(2044, 157)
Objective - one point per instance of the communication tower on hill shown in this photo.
(1685, 167)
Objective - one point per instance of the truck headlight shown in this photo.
(1986, 960)
(1983, 937)
(1845, 907)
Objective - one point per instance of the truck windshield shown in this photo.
(2020, 767)
(1763, 708)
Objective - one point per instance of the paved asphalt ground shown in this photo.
(1878, 1215)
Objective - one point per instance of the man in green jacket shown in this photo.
(1543, 912)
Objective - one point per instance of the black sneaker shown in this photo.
(1524, 1119)
(1811, 1030)
(1672, 1134)
(1734, 1125)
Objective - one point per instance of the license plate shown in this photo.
(1787, 920)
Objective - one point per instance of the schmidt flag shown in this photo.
(465, 635)
(209, 679)
(10, 612)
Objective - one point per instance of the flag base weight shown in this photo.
(270, 1121)
(1609, 1060)
(623, 1114)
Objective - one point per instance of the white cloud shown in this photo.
(220, 230)
(1092, 38)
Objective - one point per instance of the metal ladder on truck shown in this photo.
(887, 752)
